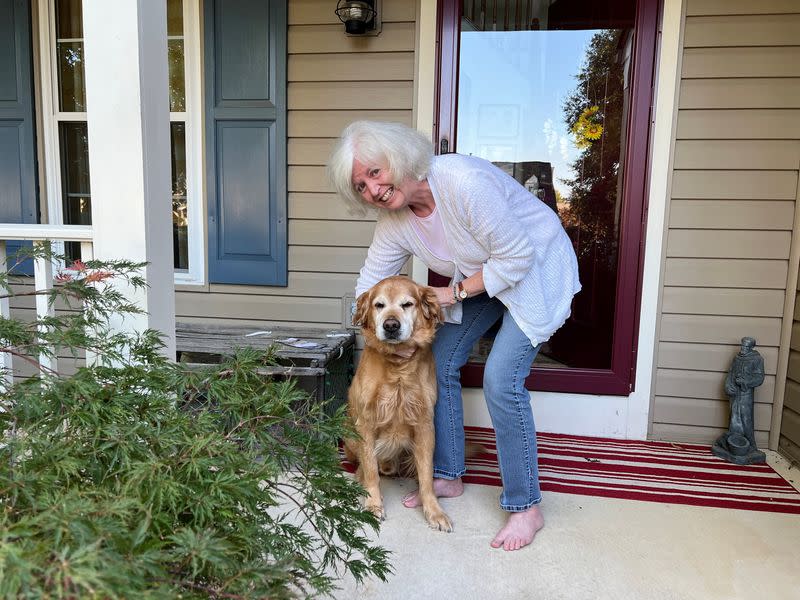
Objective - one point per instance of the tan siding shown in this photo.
(688, 411)
(745, 30)
(323, 39)
(319, 12)
(740, 7)
(333, 80)
(704, 384)
(326, 260)
(790, 434)
(714, 272)
(324, 123)
(789, 440)
(731, 185)
(386, 66)
(697, 434)
(741, 62)
(708, 357)
(342, 95)
(723, 301)
(734, 214)
(750, 124)
(740, 93)
(731, 213)
(326, 233)
(309, 151)
(322, 206)
(728, 244)
(719, 330)
(737, 154)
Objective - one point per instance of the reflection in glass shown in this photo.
(180, 219)
(69, 54)
(69, 19)
(175, 18)
(177, 87)
(76, 193)
(544, 96)
(72, 93)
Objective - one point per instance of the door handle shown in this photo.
(444, 146)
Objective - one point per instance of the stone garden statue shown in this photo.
(738, 444)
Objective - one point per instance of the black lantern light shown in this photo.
(360, 17)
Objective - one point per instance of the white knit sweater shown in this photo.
(492, 223)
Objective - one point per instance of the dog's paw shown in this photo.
(438, 520)
(377, 510)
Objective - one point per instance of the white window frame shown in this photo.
(52, 116)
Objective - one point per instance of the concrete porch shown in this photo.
(589, 548)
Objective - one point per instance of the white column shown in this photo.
(129, 156)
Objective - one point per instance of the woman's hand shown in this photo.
(445, 296)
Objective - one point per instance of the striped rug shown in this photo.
(639, 470)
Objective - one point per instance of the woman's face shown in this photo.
(374, 184)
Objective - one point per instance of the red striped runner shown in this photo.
(642, 470)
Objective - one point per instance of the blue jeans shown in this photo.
(507, 366)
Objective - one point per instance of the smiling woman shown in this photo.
(510, 265)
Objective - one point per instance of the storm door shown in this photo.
(557, 93)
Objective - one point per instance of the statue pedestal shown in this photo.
(735, 448)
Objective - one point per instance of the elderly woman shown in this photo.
(510, 260)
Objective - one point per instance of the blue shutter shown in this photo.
(245, 101)
(17, 144)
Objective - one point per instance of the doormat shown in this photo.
(641, 470)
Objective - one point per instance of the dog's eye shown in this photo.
(379, 305)
(407, 304)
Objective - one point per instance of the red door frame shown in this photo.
(619, 379)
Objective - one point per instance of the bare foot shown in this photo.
(520, 529)
(443, 488)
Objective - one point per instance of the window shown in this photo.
(65, 130)
(557, 94)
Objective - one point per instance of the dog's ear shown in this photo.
(363, 304)
(429, 303)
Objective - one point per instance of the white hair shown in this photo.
(404, 151)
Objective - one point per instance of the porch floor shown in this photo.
(590, 547)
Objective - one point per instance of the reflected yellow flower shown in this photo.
(593, 131)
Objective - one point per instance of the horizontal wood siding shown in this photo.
(333, 80)
(789, 440)
(731, 214)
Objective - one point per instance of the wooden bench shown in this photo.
(320, 359)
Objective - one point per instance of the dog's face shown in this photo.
(397, 310)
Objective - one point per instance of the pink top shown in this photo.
(431, 232)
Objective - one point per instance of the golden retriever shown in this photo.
(393, 392)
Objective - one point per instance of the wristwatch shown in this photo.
(459, 293)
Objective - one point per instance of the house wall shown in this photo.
(332, 80)
(730, 220)
(789, 441)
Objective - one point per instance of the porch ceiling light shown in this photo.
(360, 17)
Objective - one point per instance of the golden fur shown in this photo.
(392, 396)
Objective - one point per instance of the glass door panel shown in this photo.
(544, 90)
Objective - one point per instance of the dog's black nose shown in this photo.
(391, 325)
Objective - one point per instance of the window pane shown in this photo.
(70, 57)
(177, 87)
(69, 19)
(72, 93)
(76, 194)
(543, 95)
(180, 215)
(174, 17)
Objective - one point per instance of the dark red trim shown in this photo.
(620, 378)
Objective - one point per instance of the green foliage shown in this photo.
(134, 478)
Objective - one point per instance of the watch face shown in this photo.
(462, 293)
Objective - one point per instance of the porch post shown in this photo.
(129, 157)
